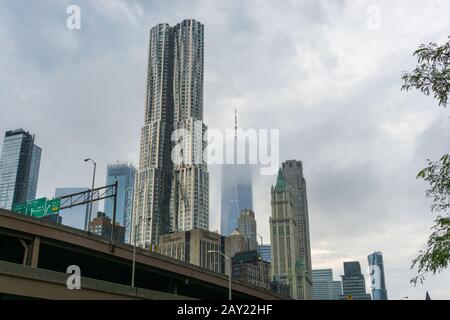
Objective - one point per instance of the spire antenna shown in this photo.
(235, 123)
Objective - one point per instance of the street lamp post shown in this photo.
(261, 258)
(229, 272)
(88, 219)
(260, 238)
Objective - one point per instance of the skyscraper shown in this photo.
(247, 227)
(292, 171)
(286, 266)
(19, 168)
(237, 193)
(353, 283)
(296, 184)
(189, 199)
(378, 284)
(124, 174)
(324, 288)
(172, 196)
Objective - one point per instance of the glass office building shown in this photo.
(378, 283)
(19, 168)
(124, 174)
(237, 195)
(353, 283)
(265, 252)
(324, 288)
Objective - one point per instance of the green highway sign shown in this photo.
(20, 208)
(36, 208)
(53, 206)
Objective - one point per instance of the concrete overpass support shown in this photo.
(31, 282)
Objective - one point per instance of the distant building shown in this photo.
(237, 190)
(296, 185)
(353, 283)
(249, 267)
(74, 217)
(193, 246)
(124, 174)
(55, 218)
(236, 194)
(324, 288)
(280, 288)
(286, 265)
(237, 242)
(102, 225)
(378, 282)
(247, 227)
(19, 168)
(265, 252)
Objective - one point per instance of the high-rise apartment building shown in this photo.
(19, 168)
(247, 227)
(189, 203)
(353, 283)
(378, 282)
(324, 288)
(124, 174)
(171, 194)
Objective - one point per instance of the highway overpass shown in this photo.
(35, 255)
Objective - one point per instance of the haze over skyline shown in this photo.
(312, 69)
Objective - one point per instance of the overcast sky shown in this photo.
(324, 72)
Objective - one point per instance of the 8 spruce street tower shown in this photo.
(172, 196)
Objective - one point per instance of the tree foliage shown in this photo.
(437, 255)
(432, 75)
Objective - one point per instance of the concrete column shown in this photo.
(35, 252)
(26, 252)
(175, 289)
